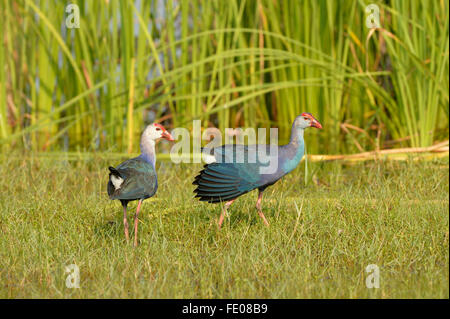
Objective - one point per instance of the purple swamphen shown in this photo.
(135, 179)
(226, 178)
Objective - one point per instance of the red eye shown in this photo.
(158, 129)
(305, 118)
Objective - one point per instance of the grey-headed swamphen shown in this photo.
(135, 179)
(237, 169)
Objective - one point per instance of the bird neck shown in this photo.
(148, 150)
(293, 152)
(296, 136)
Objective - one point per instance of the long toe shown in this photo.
(263, 218)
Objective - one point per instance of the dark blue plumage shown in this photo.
(139, 178)
(239, 169)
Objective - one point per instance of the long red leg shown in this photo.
(125, 223)
(224, 211)
(136, 223)
(258, 207)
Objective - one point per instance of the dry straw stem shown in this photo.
(442, 148)
(436, 151)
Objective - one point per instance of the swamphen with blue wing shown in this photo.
(135, 179)
(237, 169)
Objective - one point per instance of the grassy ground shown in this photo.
(394, 215)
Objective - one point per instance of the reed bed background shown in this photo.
(253, 63)
(74, 100)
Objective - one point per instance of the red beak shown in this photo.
(167, 136)
(315, 123)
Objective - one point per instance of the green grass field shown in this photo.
(392, 214)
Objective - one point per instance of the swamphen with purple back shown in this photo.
(135, 179)
(238, 169)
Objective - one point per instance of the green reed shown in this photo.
(253, 63)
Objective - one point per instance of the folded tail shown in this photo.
(115, 180)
